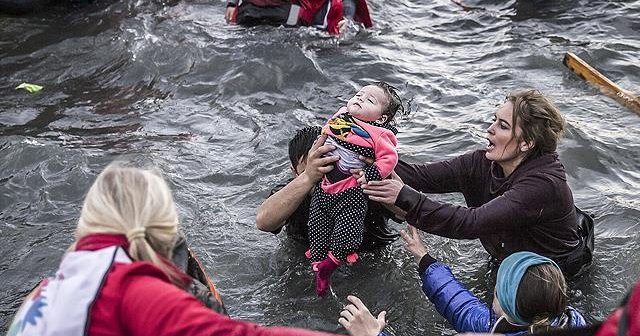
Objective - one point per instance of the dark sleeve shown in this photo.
(441, 177)
(151, 306)
(521, 205)
(463, 310)
(377, 232)
(425, 262)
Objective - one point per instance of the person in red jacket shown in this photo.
(116, 279)
(625, 320)
(329, 15)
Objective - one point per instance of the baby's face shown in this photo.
(368, 104)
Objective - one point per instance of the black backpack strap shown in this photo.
(623, 322)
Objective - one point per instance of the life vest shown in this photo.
(61, 304)
(292, 12)
(266, 3)
(334, 13)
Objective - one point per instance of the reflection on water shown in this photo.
(213, 107)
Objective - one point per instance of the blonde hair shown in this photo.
(137, 203)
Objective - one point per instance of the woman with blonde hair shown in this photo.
(116, 279)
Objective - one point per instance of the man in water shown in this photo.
(288, 204)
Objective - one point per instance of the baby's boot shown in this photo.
(352, 258)
(323, 270)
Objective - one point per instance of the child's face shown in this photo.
(368, 104)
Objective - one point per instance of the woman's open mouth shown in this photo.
(490, 146)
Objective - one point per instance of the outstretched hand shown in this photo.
(385, 191)
(413, 243)
(318, 164)
(358, 321)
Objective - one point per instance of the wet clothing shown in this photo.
(334, 14)
(323, 14)
(137, 298)
(261, 12)
(531, 210)
(336, 223)
(376, 230)
(465, 312)
(338, 207)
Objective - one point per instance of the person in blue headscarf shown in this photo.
(530, 296)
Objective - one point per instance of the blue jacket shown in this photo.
(463, 310)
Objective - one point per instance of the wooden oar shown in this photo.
(591, 75)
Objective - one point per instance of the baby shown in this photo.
(338, 205)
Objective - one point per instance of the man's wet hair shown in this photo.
(301, 143)
(395, 103)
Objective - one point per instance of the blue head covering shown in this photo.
(510, 274)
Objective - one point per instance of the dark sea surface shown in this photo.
(213, 107)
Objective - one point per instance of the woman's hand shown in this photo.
(358, 321)
(385, 191)
(413, 243)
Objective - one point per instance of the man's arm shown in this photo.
(281, 205)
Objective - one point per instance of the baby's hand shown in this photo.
(362, 180)
(367, 160)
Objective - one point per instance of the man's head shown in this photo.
(299, 147)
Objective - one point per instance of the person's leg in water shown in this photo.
(348, 216)
(348, 213)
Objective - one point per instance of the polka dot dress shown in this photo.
(336, 222)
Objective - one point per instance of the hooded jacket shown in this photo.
(530, 210)
(465, 312)
(137, 298)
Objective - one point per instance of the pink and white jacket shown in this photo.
(364, 139)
